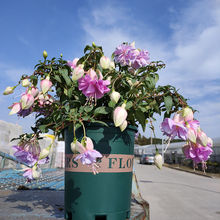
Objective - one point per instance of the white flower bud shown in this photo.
(115, 96)
(8, 90)
(25, 83)
(158, 161)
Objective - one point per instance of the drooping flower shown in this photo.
(15, 108)
(124, 54)
(44, 100)
(24, 155)
(73, 64)
(8, 90)
(91, 86)
(197, 152)
(27, 100)
(87, 154)
(119, 115)
(105, 62)
(141, 60)
(45, 84)
(172, 129)
(202, 138)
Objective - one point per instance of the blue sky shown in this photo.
(184, 34)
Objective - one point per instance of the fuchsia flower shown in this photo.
(172, 129)
(197, 152)
(45, 85)
(29, 153)
(124, 54)
(141, 60)
(91, 86)
(87, 154)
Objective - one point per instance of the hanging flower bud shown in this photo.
(25, 83)
(124, 125)
(105, 62)
(15, 108)
(45, 84)
(191, 135)
(115, 96)
(36, 172)
(27, 100)
(201, 138)
(45, 54)
(33, 91)
(119, 115)
(78, 72)
(158, 160)
(8, 90)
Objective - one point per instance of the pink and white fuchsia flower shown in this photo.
(27, 100)
(87, 154)
(198, 147)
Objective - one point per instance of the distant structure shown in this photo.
(7, 132)
(174, 152)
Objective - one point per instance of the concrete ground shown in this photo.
(177, 195)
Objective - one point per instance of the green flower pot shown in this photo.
(107, 195)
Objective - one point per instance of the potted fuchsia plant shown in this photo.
(96, 104)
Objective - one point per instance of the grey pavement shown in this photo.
(177, 195)
(31, 204)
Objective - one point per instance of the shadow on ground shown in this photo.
(32, 204)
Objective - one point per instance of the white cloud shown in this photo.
(192, 53)
(13, 73)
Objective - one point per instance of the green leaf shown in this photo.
(111, 104)
(88, 108)
(43, 128)
(101, 110)
(168, 103)
(129, 105)
(57, 78)
(141, 118)
(66, 77)
(156, 77)
(87, 48)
